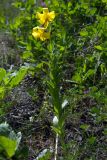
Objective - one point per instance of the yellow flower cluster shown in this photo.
(44, 19)
(39, 32)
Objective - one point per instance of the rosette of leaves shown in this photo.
(9, 80)
(9, 141)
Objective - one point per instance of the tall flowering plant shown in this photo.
(41, 33)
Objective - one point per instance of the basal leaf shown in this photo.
(19, 76)
(8, 145)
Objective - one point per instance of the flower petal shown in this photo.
(35, 34)
(41, 17)
(39, 32)
(51, 15)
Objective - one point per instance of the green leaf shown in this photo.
(95, 110)
(40, 65)
(6, 80)
(91, 140)
(104, 1)
(77, 78)
(26, 55)
(98, 47)
(2, 73)
(19, 76)
(93, 11)
(8, 145)
(50, 47)
(105, 131)
(84, 33)
(9, 140)
(16, 4)
(56, 3)
(89, 73)
(56, 130)
(85, 127)
(2, 91)
(69, 4)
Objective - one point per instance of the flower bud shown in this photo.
(64, 104)
(55, 121)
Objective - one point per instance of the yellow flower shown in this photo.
(40, 33)
(46, 17)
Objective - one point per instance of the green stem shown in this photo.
(56, 147)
